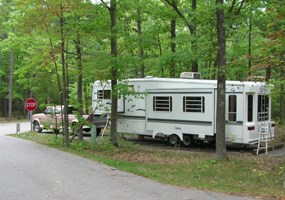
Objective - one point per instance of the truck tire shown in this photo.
(37, 127)
(173, 140)
(187, 139)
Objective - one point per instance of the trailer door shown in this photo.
(234, 117)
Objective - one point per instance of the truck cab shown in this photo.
(51, 119)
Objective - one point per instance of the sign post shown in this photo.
(30, 105)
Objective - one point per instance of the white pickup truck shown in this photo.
(51, 119)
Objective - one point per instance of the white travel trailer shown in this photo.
(185, 109)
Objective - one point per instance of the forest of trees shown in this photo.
(53, 50)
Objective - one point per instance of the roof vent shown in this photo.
(190, 75)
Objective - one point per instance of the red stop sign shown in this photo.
(30, 104)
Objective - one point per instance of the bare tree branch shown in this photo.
(173, 4)
(105, 4)
(232, 6)
(235, 4)
(240, 7)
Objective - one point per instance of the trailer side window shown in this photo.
(104, 94)
(194, 104)
(232, 108)
(263, 107)
(162, 103)
(250, 108)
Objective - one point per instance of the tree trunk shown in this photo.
(221, 152)
(54, 59)
(194, 35)
(114, 52)
(173, 47)
(281, 104)
(141, 50)
(160, 54)
(268, 72)
(79, 80)
(86, 98)
(281, 98)
(12, 57)
(250, 42)
(64, 83)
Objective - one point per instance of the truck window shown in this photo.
(57, 110)
(49, 111)
(162, 103)
(232, 115)
(194, 104)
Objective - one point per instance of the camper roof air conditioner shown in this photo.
(190, 75)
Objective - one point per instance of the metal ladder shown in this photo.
(105, 127)
(265, 136)
(264, 131)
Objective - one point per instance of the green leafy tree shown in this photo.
(274, 59)
(54, 19)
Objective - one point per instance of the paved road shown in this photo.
(29, 171)
(8, 128)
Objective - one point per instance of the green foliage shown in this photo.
(80, 146)
(55, 141)
(33, 31)
(73, 96)
(105, 145)
(125, 91)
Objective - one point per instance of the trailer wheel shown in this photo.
(140, 137)
(187, 140)
(173, 140)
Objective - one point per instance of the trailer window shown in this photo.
(263, 107)
(104, 94)
(194, 104)
(232, 108)
(250, 108)
(162, 103)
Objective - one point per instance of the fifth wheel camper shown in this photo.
(182, 109)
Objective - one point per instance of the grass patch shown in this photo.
(245, 174)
